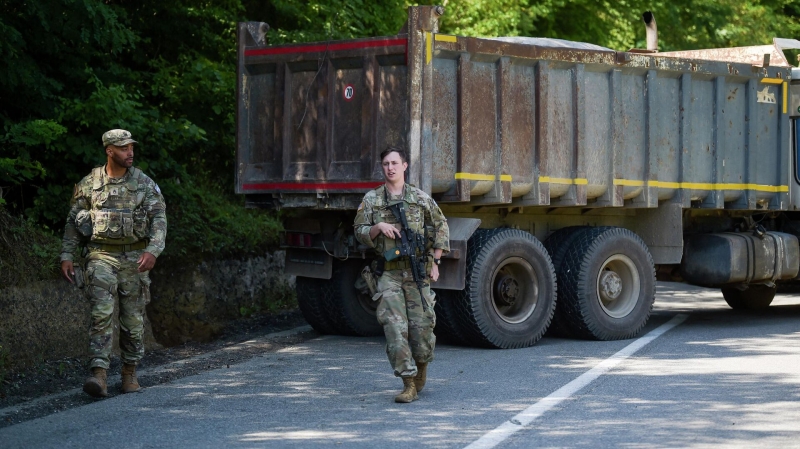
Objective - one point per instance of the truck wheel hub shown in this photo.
(506, 290)
(610, 285)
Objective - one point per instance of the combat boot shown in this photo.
(129, 382)
(95, 386)
(409, 393)
(421, 377)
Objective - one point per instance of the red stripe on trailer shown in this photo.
(311, 185)
(323, 47)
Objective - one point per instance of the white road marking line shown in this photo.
(527, 416)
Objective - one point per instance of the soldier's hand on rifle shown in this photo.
(387, 230)
(68, 270)
(434, 273)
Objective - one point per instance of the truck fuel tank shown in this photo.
(740, 258)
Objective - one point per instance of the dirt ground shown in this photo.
(54, 386)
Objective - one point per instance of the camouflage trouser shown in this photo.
(106, 274)
(408, 328)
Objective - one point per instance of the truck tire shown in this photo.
(310, 301)
(510, 293)
(352, 313)
(447, 324)
(557, 245)
(607, 284)
(756, 297)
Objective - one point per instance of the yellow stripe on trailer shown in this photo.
(664, 184)
(428, 47)
(700, 185)
(785, 97)
(564, 181)
(482, 177)
(628, 183)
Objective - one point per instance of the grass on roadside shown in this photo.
(28, 252)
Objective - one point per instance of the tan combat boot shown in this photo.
(95, 386)
(421, 377)
(409, 393)
(129, 382)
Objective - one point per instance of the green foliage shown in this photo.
(320, 20)
(17, 170)
(491, 18)
(164, 70)
(20, 141)
(247, 312)
(683, 24)
(204, 221)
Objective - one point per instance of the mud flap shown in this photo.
(308, 263)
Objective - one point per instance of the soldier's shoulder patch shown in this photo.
(360, 206)
(155, 187)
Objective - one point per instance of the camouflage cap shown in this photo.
(117, 137)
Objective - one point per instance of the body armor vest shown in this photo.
(115, 215)
(415, 215)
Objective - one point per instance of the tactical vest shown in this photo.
(415, 215)
(115, 214)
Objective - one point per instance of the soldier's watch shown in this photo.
(437, 261)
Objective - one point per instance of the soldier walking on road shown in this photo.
(118, 214)
(406, 307)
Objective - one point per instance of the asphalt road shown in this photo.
(700, 375)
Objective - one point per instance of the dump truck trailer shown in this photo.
(570, 174)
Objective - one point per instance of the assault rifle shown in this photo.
(412, 245)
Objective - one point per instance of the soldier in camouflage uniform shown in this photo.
(408, 327)
(118, 214)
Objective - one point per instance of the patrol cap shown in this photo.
(117, 137)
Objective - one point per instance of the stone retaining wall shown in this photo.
(49, 320)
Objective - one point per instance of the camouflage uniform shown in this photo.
(408, 328)
(117, 219)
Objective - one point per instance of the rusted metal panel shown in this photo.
(598, 134)
(664, 131)
(736, 169)
(753, 55)
(478, 125)
(392, 109)
(557, 127)
(518, 129)
(506, 122)
(445, 141)
(309, 114)
(633, 139)
(700, 152)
